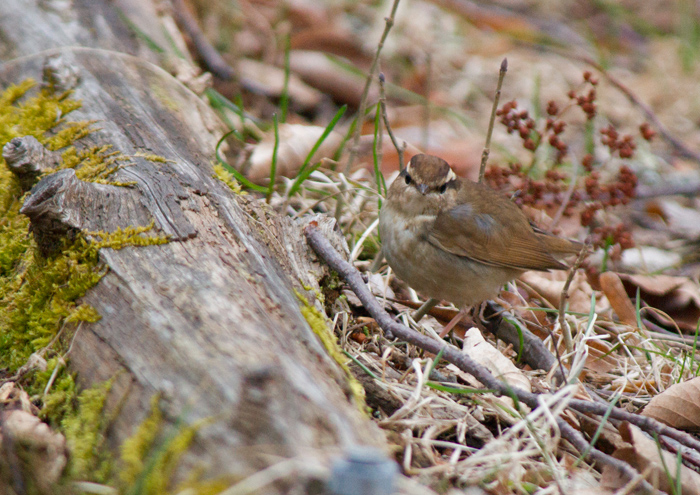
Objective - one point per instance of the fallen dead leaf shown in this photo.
(500, 366)
(601, 359)
(619, 300)
(29, 445)
(487, 355)
(320, 72)
(677, 406)
(269, 80)
(550, 284)
(643, 455)
(678, 297)
(295, 143)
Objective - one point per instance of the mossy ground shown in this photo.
(39, 307)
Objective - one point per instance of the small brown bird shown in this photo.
(457, 240)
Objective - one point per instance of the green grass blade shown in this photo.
(284, 98)
(304, 171)
(379, 178)
(273, 165)
(236, 174)
(458, 390)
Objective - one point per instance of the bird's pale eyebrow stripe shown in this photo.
(451, 176)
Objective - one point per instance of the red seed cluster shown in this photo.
(607, 235)
(590, 194)
(537, 193)
(625, 147)
(646, 131)
(556, 127)
(520, 121)
(621, 191)
(586, 101)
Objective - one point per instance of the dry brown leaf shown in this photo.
(600, 358)
(550, 284)
(318, 71)
(678, 297)
(643, 455)
(619, 300)
(500, 366)
(269, 80)
(30, 446)
(487, 355)
(331, 39)
(680, 219)
(677, 406)
(295, 143)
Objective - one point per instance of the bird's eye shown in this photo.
(443, 188)
(408, 179)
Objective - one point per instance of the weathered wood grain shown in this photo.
(210, 320)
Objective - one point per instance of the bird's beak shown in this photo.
(422, 188)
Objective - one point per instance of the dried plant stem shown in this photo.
(365, 93)
(566, 199)
(426, 103)
(385, 118)
(492, 120)
(325, 250)
(566, 330)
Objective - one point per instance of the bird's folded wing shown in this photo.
(510, 242)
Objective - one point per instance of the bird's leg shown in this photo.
(425, 309)
(453, 322)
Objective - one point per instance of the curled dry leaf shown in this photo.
(484, 353)
(29, 445)
(677, 406)
(619, 300)
(678, 297)
(14, 398)
(643, 455)
(295, 143)
(550, 284)
(679, 219)
(503, 368)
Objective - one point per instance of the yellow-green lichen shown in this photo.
(84, 432)
(39, 295)
(150, 456)
(129, 236)
(319, 325)
(153, 158)
(227, 178)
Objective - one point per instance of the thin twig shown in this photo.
(325, 250)
(676, 143)
(211, 58)
(566, 199)
(487, 147)
(689, 187)
(463, 361)
(365, 93)
(382, 104)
